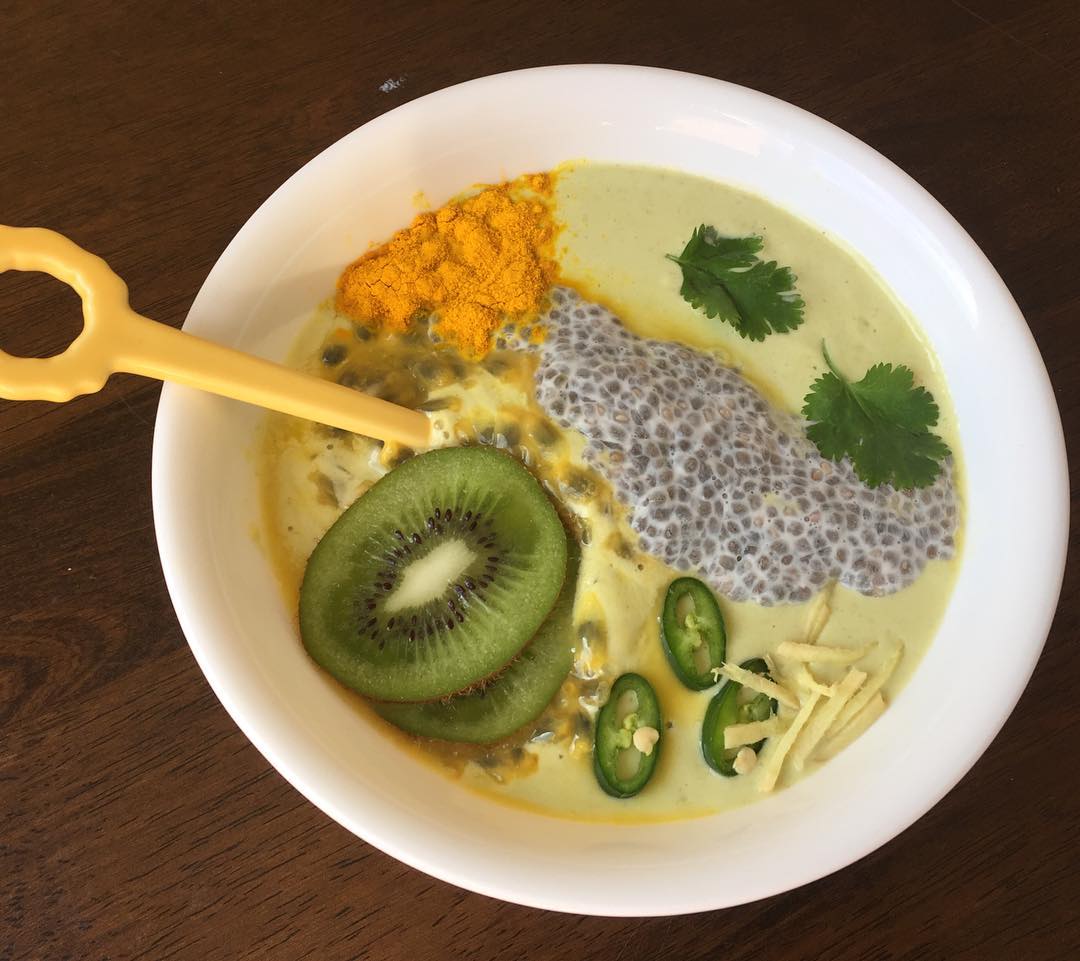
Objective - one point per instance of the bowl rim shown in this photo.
(275, 744)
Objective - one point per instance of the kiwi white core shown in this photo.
(428, 578)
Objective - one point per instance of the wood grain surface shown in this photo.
(137, 821)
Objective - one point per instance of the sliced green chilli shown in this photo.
(692, 631)
(728, 708)
(628, 735)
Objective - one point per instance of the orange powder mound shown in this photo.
(475, 263)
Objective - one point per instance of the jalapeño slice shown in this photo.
(692, 630)
(724, 710)
(628, 732)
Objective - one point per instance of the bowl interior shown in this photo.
(287, 258)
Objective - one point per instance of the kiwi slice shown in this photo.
(435, 578)
(516, 696)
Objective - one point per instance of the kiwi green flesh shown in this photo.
(514, 698)
(473, 620)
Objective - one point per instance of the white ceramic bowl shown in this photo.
(286, 259)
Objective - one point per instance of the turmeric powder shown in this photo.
(475, 264)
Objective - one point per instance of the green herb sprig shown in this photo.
(881, 422)
(723, 277)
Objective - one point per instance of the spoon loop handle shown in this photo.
(86, 364)
(114, 338)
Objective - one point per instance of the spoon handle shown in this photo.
(115, 338)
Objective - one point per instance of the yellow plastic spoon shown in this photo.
(115, 338)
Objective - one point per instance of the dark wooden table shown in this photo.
(137, 822)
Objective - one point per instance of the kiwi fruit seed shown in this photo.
(435, 578)
(516, 696)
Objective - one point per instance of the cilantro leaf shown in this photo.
(723, 277)
(881, 422)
